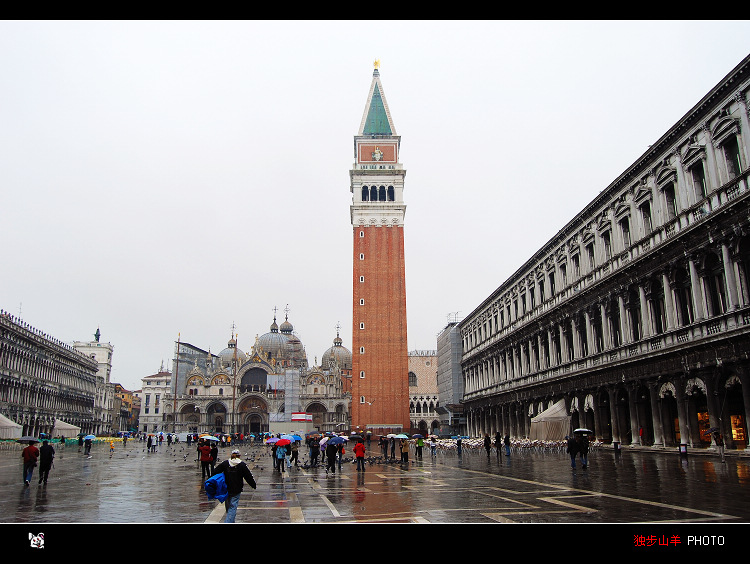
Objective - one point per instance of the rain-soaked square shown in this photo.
(132, 485)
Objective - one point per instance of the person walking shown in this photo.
(314, 451)
(583, 449)
(433, 447)
(393, 448)
(384, 446)
(418, 448)
(236, 473)
(214, 455)
(204, 455)
(487, 444)
(281, 457)
(359, 453)
(498, 444)
(295, 454)
(331, 457)
(572, 450)
(458, 445)
(46, 457)
(30, 455)
(506, 440)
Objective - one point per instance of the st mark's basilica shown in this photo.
(271, 387)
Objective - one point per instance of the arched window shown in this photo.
(683, 294)
(373, 194)
(391, 194)
(381, 194)
(365, 193)
(412, 379)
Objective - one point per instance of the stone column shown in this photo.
(697, 290)
(669, 314)
(626, 331)
(712, 168)
(730, 278)
(606, 339)
(656, 414)
(614, 424)
(576, 339)
(635, 437)
(590, 341)
(679, 386)
(714, 411)
(645, 317)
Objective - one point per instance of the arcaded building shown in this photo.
(636, 314)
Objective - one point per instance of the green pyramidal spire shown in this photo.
(377, 119)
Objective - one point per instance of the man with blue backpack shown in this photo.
(234, 471)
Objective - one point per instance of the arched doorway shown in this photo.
(697, 413)
(217, 417)
(643, 415)
(253, 415)
(605, 431)
(318, 411)
(734, 426)
(669, 415)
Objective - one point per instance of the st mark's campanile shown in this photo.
(380, 362)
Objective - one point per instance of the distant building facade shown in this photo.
(105, 414)
(637, 313)
(450, 381)
(423, 392)
(43, 379)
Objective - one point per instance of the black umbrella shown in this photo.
(30, 440)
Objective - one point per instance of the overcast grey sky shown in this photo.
(165, 178)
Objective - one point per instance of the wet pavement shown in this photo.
(131, 485)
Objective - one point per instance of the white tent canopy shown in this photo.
(552, 424)
(9, 429)
(65, 429)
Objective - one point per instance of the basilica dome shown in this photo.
(227, 355)
(282, 345)
(338, 353)
(272, 342)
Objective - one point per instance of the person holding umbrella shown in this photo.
(235, 471)
(30, 455)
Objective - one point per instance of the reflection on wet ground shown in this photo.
(131, 485)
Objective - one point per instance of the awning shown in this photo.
(9, 429)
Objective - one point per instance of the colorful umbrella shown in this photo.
(283, 442)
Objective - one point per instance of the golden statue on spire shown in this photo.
(377, 63)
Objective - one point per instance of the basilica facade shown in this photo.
(636, 314)
(270, 388)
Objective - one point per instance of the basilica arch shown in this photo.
(252, 415)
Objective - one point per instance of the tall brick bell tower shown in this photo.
(380, 361)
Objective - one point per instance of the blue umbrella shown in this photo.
(337, 441)
(89, 437)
